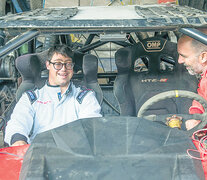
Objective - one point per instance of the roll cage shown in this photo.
(86, 31)
(113, 24)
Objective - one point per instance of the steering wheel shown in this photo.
(176, 94)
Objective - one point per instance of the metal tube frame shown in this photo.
(28, 35)
(195, 34)
(17, 42)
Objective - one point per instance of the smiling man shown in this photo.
(57, 103)
(193, 54)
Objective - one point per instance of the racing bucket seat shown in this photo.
(146, 69)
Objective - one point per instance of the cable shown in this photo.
(110, 105)
(99, 60)
(202, 145)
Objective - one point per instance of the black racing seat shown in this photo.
(90, 72)
(30, 66)
(146, 69)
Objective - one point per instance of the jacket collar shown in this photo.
(56, 90)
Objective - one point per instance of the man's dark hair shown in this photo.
(60, 49)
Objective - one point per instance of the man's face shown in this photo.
(59, 77)
(188, 56)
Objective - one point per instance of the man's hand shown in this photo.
(191, 123)
(19, 143)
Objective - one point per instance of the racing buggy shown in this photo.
(128, 56)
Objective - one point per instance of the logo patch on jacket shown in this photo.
(82, 94)
(32, 96)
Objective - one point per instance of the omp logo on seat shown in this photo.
(154, 80)
(153, 45)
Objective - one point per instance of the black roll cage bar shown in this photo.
(18, 41)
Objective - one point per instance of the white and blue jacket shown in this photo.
(44, 109)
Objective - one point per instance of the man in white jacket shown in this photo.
(57, 103)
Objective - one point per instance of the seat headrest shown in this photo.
(123, 60)
(90, 68)
(78, 60)
(31, 65)
(155, 49)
